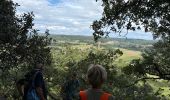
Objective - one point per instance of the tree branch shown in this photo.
(145, 78)
(52, 97)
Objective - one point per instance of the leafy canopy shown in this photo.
(20, 46)
(152, 15)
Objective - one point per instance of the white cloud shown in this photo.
(63, 16)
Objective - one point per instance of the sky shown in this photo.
(69, 17)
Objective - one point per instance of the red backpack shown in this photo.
(105, 96)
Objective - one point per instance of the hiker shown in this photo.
(96, 76)
(36, 84)
(70, 88)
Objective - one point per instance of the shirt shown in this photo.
(94, 94)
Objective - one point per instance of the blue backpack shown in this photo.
(32, 94)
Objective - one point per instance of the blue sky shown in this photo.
(70, 17)
(54, 1)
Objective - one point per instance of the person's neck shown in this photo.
(37, 69)
(96, 88)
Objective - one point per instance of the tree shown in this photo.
(155, 62)
(78, 61)
(152, 15)
(21, 45)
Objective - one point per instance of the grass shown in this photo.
(127, 57)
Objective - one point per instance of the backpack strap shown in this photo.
(83, 95)
(33, 79)
(105, 96)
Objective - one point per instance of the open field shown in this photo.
(127, 57)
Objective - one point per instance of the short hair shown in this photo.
(96, 75)
(38, 62)
(74, 74)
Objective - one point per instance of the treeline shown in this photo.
(110, 43)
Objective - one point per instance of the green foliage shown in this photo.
(153, 66)
(152, 15)
(134, 68)
(67, 60)
(21, 46)
(155, 61)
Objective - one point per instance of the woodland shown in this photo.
(137, 69)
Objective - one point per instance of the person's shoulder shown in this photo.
(77, 81)
(86, 90)
(111, 97)
(37, 72)
(21, 81)
(38, 75)
(83, 92)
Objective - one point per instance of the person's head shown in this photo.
(96, 75)
(74, 75)
(39, 65)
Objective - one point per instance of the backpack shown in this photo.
(83, 96)
(32, 94)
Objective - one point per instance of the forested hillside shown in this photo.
(110, 43)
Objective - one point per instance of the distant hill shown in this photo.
(132, 44)
(71, 38)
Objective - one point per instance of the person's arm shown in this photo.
(40, 93)
(77, 85)
(112, 98)
(22, 89)
(39, 85)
